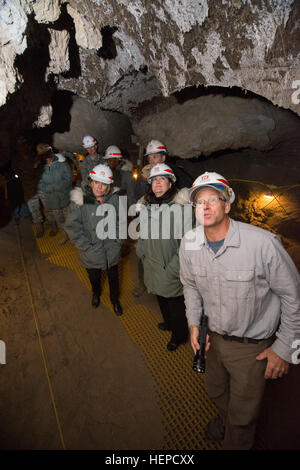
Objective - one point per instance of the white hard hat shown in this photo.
(101, 173)
(161, 169)
(212, 180)
(155, 146)
(88, 141)
(112, 152)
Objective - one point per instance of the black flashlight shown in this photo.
(199, 358)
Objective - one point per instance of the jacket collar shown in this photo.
(232, 238)
(89, 198)
(180, 197)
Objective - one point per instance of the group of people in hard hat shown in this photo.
(104, 179)
(238, 274)
(120, 167)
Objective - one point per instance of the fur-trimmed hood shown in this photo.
(76, 196)
(126, 165)
(181, 197)
(60, 157)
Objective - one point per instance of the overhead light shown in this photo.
(268, 195)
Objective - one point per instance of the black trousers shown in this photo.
(173, 313)
(113, 281)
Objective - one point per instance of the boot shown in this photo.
(164, 326)
(215, 430)
(53, 227)
(39, 230)
(118, 308)
(139, 289)
(64, 238)
(95, 300)
(172, 345)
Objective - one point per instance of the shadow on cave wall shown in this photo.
(61, 102)
(22, 108)
(108, 51)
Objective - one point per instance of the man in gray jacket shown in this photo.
(122, 172)
(248, 286)
(92, 159)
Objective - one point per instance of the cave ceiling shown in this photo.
(122, 55)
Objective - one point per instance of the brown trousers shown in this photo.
(235, 382)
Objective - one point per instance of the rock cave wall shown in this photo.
(216, 80)
(121, 55)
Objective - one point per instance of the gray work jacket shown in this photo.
(88, 164)
(246, 289)
(81, 224)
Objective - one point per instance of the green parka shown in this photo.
(81, 227)
(55, 184)
(159, 251)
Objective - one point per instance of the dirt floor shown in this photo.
(103, 391)
(84, 384)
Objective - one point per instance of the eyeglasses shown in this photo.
(211, 201)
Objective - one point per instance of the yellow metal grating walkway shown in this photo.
(185, 406)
